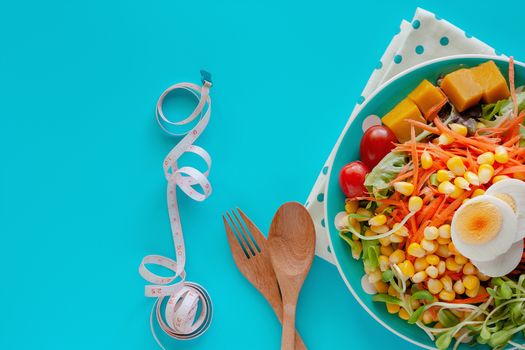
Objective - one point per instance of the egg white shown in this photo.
(504, 263)
(515, 189)
(503, 240)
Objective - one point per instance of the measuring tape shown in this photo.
(178, 301)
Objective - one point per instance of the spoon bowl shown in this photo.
(292, 247)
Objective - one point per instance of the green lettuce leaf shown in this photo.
(388, 168)
(488, 112)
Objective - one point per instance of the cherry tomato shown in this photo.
(376, 143)
(352, 179)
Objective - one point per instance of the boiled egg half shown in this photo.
(489, 229)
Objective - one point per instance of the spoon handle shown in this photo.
(288, 337)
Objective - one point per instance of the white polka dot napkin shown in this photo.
(425, 38)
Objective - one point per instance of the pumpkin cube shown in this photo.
(492, 81)
(427, 97)
(397, 118)
(462, 89)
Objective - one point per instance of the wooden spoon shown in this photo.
(292, 246)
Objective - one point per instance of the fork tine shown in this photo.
(235, 244)
(257, 235)
(245, 235)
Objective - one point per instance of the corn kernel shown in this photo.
(420, 264)
(354, 224)
(403, 187)
(377, 220)
(351, 206)
(400, 230)
(381, 287)
(384, 263)
(379, 229)
(396, 239)
(397, 256)
(374, 277)
(415, 304)
(392, 308)
(434, 286)
(458, 287)
(407, 268)
(415, 249)
(427, 317)
(460, 259)
(459, 128)
(403, 314)
(429, 246)
(446, 187)
(386, 250)
(482, 276)
(444, 175)
(419, 277)
(452, 265)
(471, 293)
(363, 212)
(500, 155)
(415, 203)
(485, 173)
(444, 231)
(469, 269)
(385, 241)
(447, 295)
(441, 267)
(471, 282)
(442, 251)
(432, 259)
(445, 139)
(456, 165)
(486, 158)
(392, 291)
(447, 283)
(457, 192)
(471, 178)
(426, 160)
(432, 271)
(443, 241)
(499, 178)
(370, 233)
(452, 248)
(431, 233)
(461, 182)
(477, 192)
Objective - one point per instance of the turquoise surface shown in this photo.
(81, 186)
(386, 98)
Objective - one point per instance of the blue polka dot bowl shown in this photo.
(347, 150)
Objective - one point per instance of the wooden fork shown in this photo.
(250, 254)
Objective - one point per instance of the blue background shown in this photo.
(82, 194)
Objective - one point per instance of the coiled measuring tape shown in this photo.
(178, 301)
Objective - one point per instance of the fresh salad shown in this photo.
(435, 208)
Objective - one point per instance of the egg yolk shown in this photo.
(480, 223)
(507, 199)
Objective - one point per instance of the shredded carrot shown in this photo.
(513, 169)
(402, 177)
(424, 126)
(463, 139)
(512, 86)
(480, 298)
(432, 112)
(415, 159)
(446, 214)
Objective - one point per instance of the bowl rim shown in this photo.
(352, 117)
